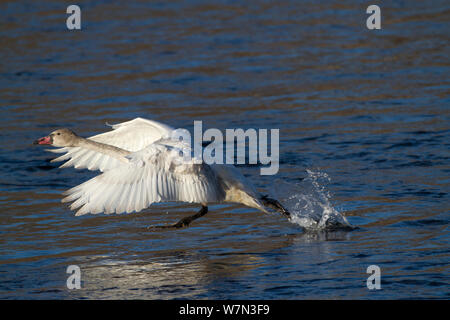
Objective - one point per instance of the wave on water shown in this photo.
(309, 203)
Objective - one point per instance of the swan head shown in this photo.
(59, 138)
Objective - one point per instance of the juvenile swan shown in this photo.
(139, 167)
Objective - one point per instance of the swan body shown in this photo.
(140, 166)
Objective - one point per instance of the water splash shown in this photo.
(310, 205)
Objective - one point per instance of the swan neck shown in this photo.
(102, 148)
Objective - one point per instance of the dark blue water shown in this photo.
(364, 134)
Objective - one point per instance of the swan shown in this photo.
(138, 168)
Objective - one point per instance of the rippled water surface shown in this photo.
(364, 134)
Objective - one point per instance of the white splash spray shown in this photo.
(309, 203)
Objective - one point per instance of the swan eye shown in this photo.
(58, 133)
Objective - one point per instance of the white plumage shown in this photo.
(150, 176)
(141, 166)
(132, 136)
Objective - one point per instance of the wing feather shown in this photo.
(146, 179)
(132, 136)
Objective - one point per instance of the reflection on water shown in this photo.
(368, 109)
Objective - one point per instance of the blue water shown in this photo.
(364, 138)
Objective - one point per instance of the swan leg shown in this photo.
(275, 204)
(185, 221)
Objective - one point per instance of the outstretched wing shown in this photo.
(132, 136)
(154, 174)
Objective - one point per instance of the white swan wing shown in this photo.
(135, 134)
(154, 174)
(132, 136)
(81, 158)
